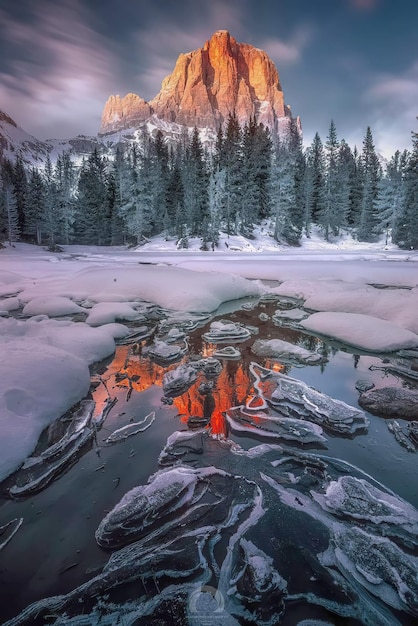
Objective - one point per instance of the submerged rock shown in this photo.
(364, 385)
(391, 402)
(401, 437)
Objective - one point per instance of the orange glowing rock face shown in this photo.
(136, 373)
(205, 86)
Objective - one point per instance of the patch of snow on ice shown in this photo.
(361, 331)
(53, 306)
(43, 372)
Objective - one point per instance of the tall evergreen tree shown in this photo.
(35, 206)
(317, 167)
(330, 217)
(195, 182)
(371, 174)
(8, 204)
(232, 157)
(65, 196)
(407, 222)
(283, 194)
(50, 216)
(93, 218)
(20, 192)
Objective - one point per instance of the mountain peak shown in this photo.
(205, 87)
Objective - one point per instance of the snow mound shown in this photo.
(53, 306)
(361, 331)
(44, 372)
(169, 287)
(39, 383)
(107, 312)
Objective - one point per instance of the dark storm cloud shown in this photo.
(354, 61)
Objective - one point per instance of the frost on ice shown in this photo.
(273, 427)
(293, 398)
(177, 381)
(286, 352)
(120, 434)
(224, 331)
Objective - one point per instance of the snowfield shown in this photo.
(44, 366)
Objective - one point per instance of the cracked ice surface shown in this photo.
(286, 352)
(224, 331)
(271, 426)
(293, 398)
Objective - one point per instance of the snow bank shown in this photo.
(43, 373)
(9, 304)
(169, 287)
(107, 312)
(396, 305)
(53, 306)
(361, 331)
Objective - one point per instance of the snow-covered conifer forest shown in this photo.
(150, 188)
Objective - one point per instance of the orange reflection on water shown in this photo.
(136, 373)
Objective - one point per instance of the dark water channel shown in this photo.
(55, 550)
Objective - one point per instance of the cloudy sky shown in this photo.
(353, 61)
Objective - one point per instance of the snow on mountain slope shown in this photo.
(14, 140)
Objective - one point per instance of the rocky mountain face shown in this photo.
(205, 87)
(14, 140)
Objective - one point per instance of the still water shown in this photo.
(55, 550)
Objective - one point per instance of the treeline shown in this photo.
(150, 189)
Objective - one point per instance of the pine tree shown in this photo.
(20, 192)
(330, 217)
(390, 192)
(65, 196)
(175, 199)
(138, 211)
(356, 191)
(160, 164)
(93, 219)
(371, 174)
(232, 156)
(317, 167)
(50, 215)
(9, 205)
(35, 207)
(195, 183)
(407, 222)
(288, 187)
(283, 194)
(216, 201)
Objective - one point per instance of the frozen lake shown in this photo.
(261, 491)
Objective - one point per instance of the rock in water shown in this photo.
(391, 402)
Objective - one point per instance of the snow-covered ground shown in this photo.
(44, 364)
